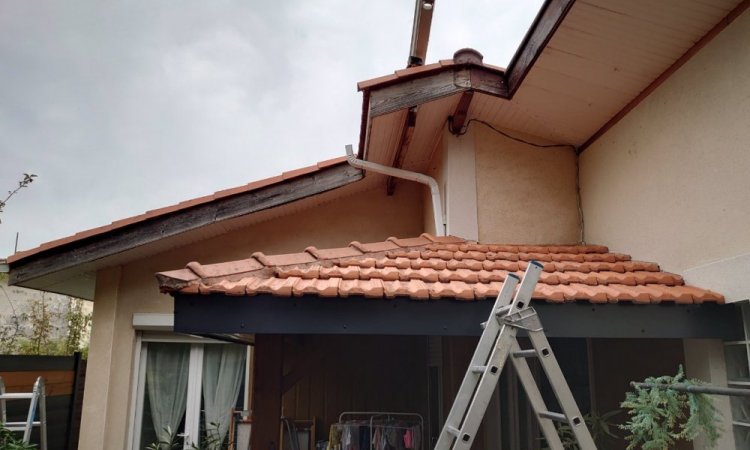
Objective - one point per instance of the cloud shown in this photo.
(121, 108)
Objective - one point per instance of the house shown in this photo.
(612, 150)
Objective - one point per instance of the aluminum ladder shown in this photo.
(38, 401)
(509, 314)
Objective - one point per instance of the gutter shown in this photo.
(437, 204)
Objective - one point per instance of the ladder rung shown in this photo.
(12, 396)
(478, 369)
(525, 354)
(19, 426)
(553, 416)
(503, 311)
(453, 430)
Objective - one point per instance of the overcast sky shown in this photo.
(121, 108)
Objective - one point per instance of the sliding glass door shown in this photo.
(185, 392)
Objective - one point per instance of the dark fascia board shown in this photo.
(160, 227)
(265, 314)
(452, 79)
(544, 26)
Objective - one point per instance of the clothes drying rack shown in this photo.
(373, 419)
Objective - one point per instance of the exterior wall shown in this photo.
(453, 166)
(670, 182)
(123, 291)
(525, 194)
(497, 190)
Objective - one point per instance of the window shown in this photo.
(186, 389)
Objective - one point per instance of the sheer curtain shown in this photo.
(166, 384)
(223, 367)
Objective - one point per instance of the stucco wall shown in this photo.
(367, 217)
(525, 194)
(671, 181)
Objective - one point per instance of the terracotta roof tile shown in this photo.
(426, 267)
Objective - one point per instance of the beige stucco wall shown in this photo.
(670, 182)
(123, 291)
(525, 194)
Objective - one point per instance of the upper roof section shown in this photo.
(581, 67)
(429, 267)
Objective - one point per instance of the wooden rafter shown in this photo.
(407, 131)
(457, 121)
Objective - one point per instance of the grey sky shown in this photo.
(121, 108)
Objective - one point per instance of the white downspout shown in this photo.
(437, 204)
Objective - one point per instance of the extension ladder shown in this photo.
(497, 343)
(38, 400)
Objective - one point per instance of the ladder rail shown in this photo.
(38, 404)
(480, 357)
(560, 387)
(460, 425)
(526, 378)
(483, 373)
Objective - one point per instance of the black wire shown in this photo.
(463, 131)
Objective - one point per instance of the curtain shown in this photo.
(166, 384)
(223, 367)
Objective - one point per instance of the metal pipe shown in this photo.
(696, 389)
(437, 204)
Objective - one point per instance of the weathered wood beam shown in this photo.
(420, 32)
(549, 18)
(457, 121)
(161, 227)
(407, 131)
(268, 362)
(437, 85)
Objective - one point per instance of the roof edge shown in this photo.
(123, 235)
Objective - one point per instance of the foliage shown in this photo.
(661, 416)
(599, 426)
(11, 441)
(45, 327)
(210, 440)
(27, 179)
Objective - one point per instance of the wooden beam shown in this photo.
(457, 121)
(161, 227)
(549, 18)
(718, 28)
(268, 362)
(420, 32)
(433, 86)
(407, 131)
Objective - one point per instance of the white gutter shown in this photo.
(437, 204)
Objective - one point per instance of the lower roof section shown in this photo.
(267, 314)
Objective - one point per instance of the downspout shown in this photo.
(437, 204)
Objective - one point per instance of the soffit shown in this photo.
(601, 57)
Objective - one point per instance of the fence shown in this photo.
(63, 376)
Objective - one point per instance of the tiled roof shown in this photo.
(429, 267)
(176, 208)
